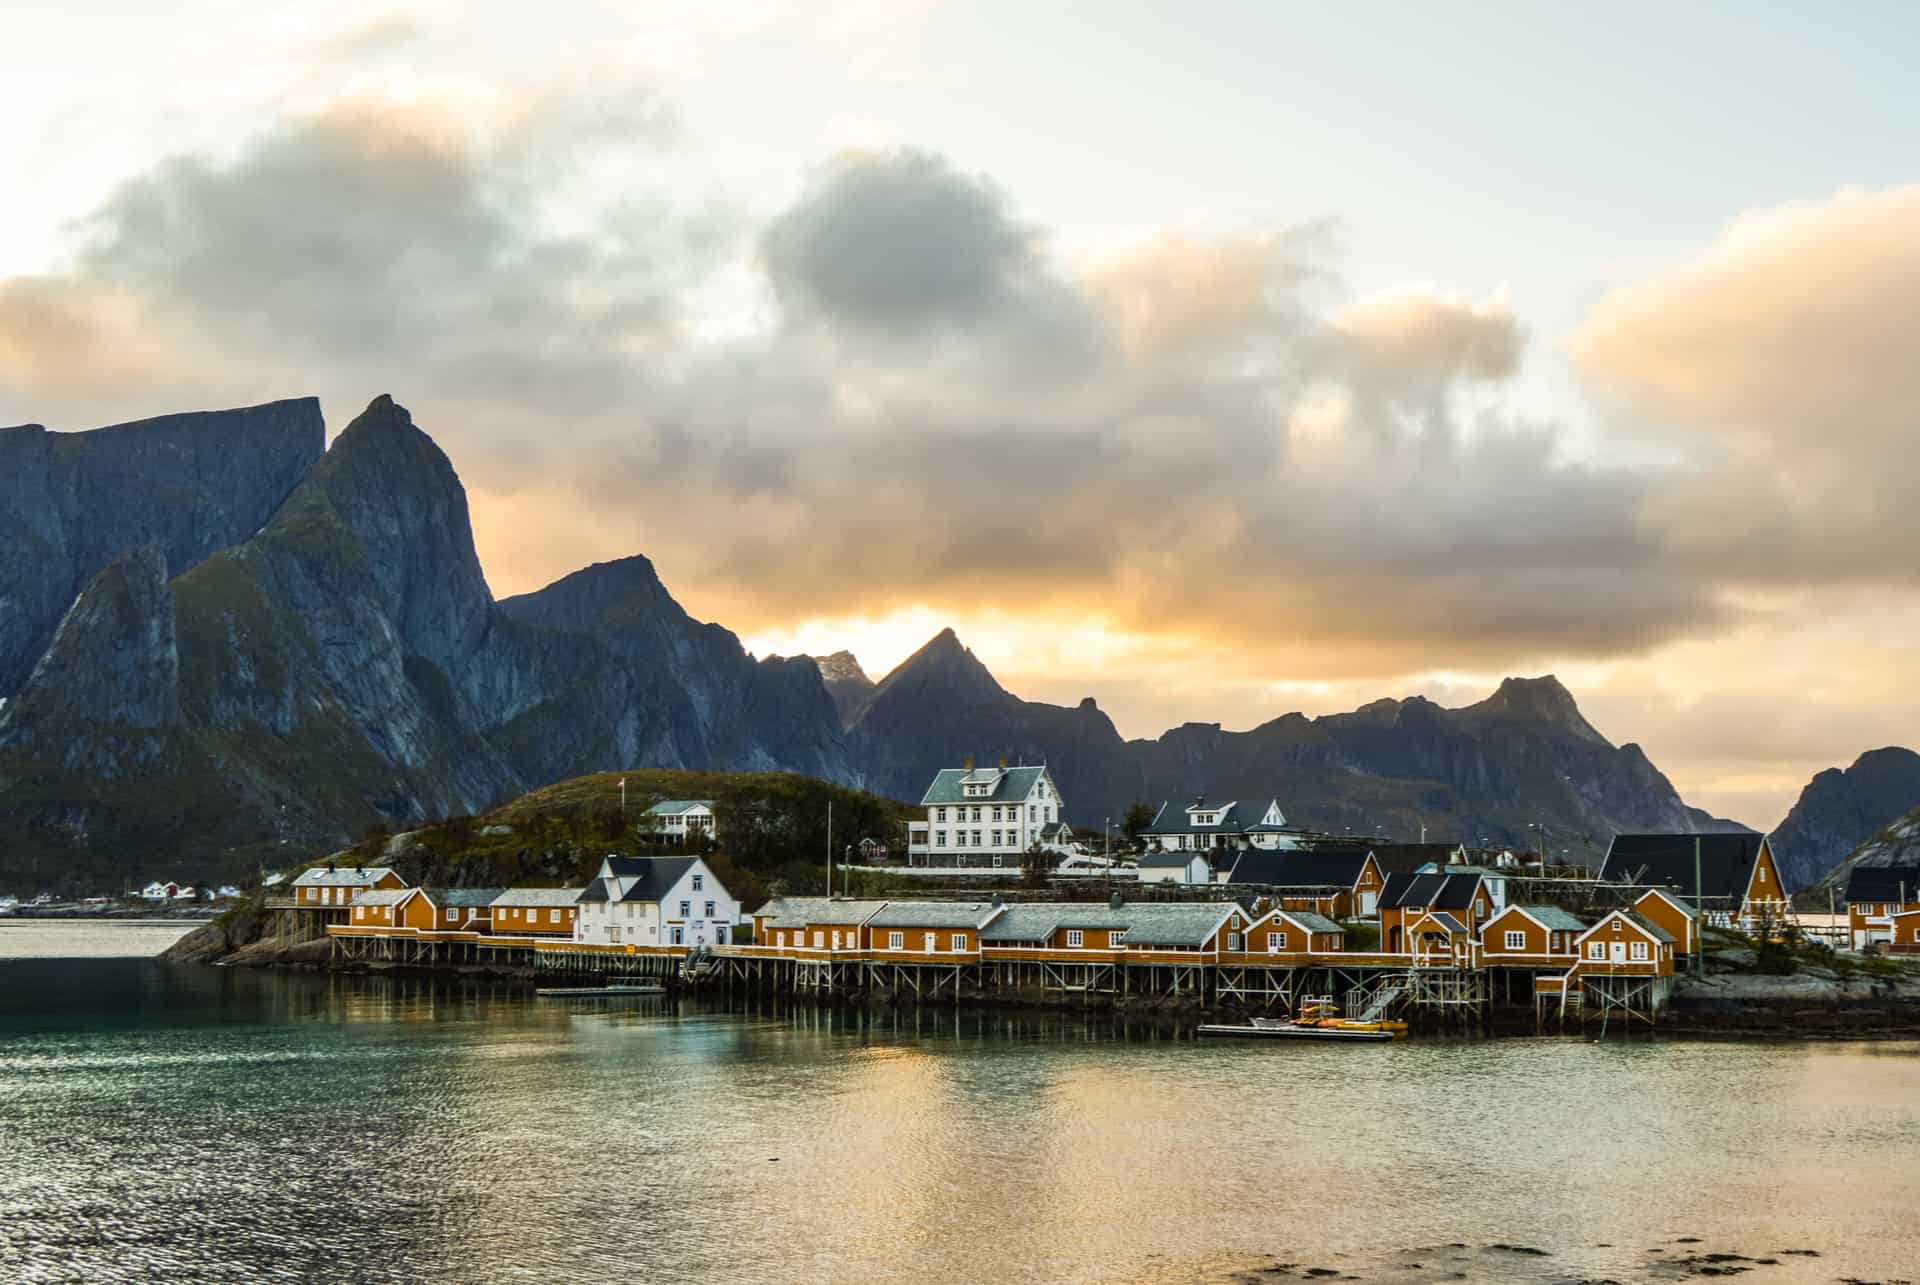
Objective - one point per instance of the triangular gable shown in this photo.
(1603, 928)
(1684, 908)
(1437, 921)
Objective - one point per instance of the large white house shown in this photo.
(1201, 826)
(655, 901)
(987, 816)
(678, 820)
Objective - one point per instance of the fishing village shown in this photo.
(1227, 916)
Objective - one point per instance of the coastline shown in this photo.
(1794, 1008)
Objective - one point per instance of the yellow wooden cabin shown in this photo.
(1676, 914)
(1622, 943)
(535, 912)
(1875, 894)
(1530, 937)
(447, 909)
(333, 887)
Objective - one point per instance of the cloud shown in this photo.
(1783, 364)
(1420, 336)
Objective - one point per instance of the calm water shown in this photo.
(205, 1124)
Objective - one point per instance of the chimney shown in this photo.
(969, 762)
(1003, 762)
(1199, 800)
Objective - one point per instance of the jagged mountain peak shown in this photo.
(1840, 809)
(946, 666)
(1544, 699)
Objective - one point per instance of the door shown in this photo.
(1619, 952)
(679, 936)
(1368, 900)
(836, 941)
(929, 940)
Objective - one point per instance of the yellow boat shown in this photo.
(1318, 1020)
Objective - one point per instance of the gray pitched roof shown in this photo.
(538, 897)
(673, 807)
(1176, 860)
(1175, 923)
(799, 912)
(382, 896)
(1445, 920)
(461, 898)
(1726, 862)
(1013, 786)
(1312, 922)
(342, 876)
(936, 914)
(1553, 918)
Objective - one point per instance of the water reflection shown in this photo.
(191, 1124)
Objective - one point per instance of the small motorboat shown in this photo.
(1318, 1020)
(592, 992)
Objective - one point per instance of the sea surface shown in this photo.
(186, 1123)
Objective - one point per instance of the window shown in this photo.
(1596, 950)
(699, 881)
(359, 912)
(959, 838)
(959, 941)
(939, 816)
(1760, 874)
(1639, 950)
(1274, 943)
(819, 939)
(1233, 941)
(1516, 940)
(976, 836)
(1074, 937)
(1117, 937)
(975, 816)
(553, 916)
(896, 941)
(708, 912)
(1479, 910)
(686, 908)
(939, 838)
(996, 814)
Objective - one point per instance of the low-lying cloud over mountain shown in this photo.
(898, 391)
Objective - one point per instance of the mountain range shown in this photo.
(224, 643)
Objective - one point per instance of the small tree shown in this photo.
(1036, 866)
(1139, 817)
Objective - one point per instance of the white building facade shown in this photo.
(1201, 826)
(680, 820)
(988, 817)
(655, 901)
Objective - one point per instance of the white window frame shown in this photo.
(1074, 938)
(699, 883)
(1516, 939)
(1276, 942)
(960, 941)
(1638, 953)
(1596, 950)
(896, 941)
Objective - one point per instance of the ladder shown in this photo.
(1371, 1008)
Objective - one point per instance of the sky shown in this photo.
(1212, 360)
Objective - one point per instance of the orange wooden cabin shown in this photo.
(1530, 937)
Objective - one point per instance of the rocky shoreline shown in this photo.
(1681, 1258)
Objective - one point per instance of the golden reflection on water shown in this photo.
(195, 1124)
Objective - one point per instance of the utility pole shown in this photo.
(1700, 909)
(829, 848)
(623, 798)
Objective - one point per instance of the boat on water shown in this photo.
(1318, 1020)
(590, 992)
(8, 905)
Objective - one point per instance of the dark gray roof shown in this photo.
(1726, 862)
(1175, 860)
(646, 878)
(383, 896)
(1446, 921)
(594, 891)
(1013, 785)
(1439, 891)
(1236, 817)
(1298, 867)
(1883, 883)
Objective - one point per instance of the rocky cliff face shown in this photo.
(71, 503)
(1896, 844)
(1840, 810)
(847, 683)
(343, 662)
(1523, 757)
